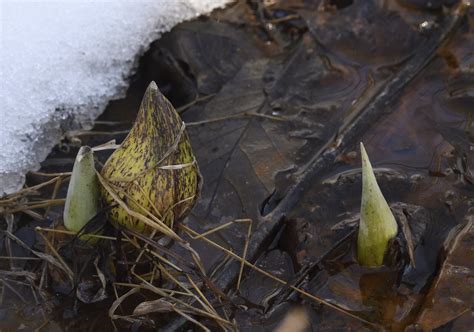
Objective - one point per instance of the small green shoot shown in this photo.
(377, 223)
(82, 200)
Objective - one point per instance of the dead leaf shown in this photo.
(452, 293)
(148, 307)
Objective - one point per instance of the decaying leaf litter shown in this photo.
(276, 98)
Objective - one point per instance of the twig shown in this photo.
(66, 232)
(195, 310)
(64, 174)
(96, 133)
(244, 255)
(183, 108)
(7, 285)
(21, 258)
(59, 258)
(154, 224)
(190, 319)
(236, 116)
(57, 186)
(281, 281)
(44, 204)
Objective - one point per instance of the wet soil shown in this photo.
(276, 96)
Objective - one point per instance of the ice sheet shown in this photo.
(62, 61)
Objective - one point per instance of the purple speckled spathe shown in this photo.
(60, 64)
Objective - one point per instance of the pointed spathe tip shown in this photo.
(83, 152)
(364, 156)
(363, 153)
(152, 95)
(152, 91)
(152, 86)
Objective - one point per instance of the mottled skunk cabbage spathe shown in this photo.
(152, 178)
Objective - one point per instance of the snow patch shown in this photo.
(62, 61)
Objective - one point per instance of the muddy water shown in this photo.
(422, 151)
(301, 74)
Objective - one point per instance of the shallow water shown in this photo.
(298, 86)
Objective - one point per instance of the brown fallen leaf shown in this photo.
(452, 293)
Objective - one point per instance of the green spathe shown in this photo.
(82, 200)
(377, 223)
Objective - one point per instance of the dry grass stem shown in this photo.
(269, 275)
(183, 108)
(187, 290)
(154, 224)
(236, 116)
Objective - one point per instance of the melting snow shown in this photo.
(62, 61)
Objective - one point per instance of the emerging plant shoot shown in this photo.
(377, 223)
(82, 200)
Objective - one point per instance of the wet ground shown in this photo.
(277, 96)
